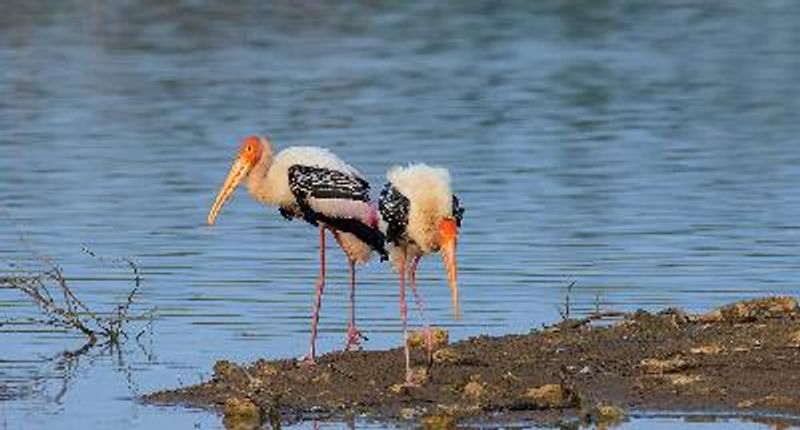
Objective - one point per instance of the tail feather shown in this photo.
(369, 234)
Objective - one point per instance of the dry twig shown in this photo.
(61, 307)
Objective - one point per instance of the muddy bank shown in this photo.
(744, 357)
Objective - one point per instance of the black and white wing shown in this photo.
(320, 183)
(394, 207)
(338, 199)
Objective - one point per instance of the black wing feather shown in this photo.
(458, 211)
(315, 182)
(394, 207)
(321, 183)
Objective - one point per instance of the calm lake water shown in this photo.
(648, 152)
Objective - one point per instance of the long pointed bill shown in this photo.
(449, 234)
(238, 171)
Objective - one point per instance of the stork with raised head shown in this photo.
(312, 184)
(419, 215)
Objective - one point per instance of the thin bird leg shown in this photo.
(404, 318)
(312, 355)
(427, 334)
(354, 336)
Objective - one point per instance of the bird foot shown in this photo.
(410, 382)
(308, 361)
(427, 334)
(354, 338)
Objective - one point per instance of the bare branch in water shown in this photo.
(65, 309)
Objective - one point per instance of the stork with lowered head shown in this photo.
(419, 215)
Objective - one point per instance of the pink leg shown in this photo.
(312, 355)
(412, 282)
(354, 336)
(404, 318)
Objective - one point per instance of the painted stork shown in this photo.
(315, 185)
(419, 215)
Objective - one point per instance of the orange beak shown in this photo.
(241, 167)
(448, 231)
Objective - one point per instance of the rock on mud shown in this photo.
(771, 401)
(475, 390)
(604, 416)
(794, 339)
(225, 371)
(241, 414)
(552, 396)
(439, 422)
(752, 310)
(435, 337)
(263, 369)
(447, 356)
(655, 366)
(710, 349)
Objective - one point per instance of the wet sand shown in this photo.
(742, 358)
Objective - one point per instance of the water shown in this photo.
(648, 152)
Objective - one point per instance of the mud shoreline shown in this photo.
(743, 358)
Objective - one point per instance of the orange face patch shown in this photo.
(251, 149)
(448, 229)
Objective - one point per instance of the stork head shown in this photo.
(448, 236)
(251, 151)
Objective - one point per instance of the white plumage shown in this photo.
(419, 215)
(268, 183)
(269, 180)
(315, 185)
(430, 200)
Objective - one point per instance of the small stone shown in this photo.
(552, 396)
(439, 338)
(263, 369)
(224, 370)
(474, 390)
(794, 339)
(682, 380)
(408, 413)
(241, 414)
(419, 375)
(610, 413)
(439, 422)
(710, 317)
(655, 366)
(415, 339)
(447, 356)
(605, 416)
(710, 349)
(397, 389)
(750, 310)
